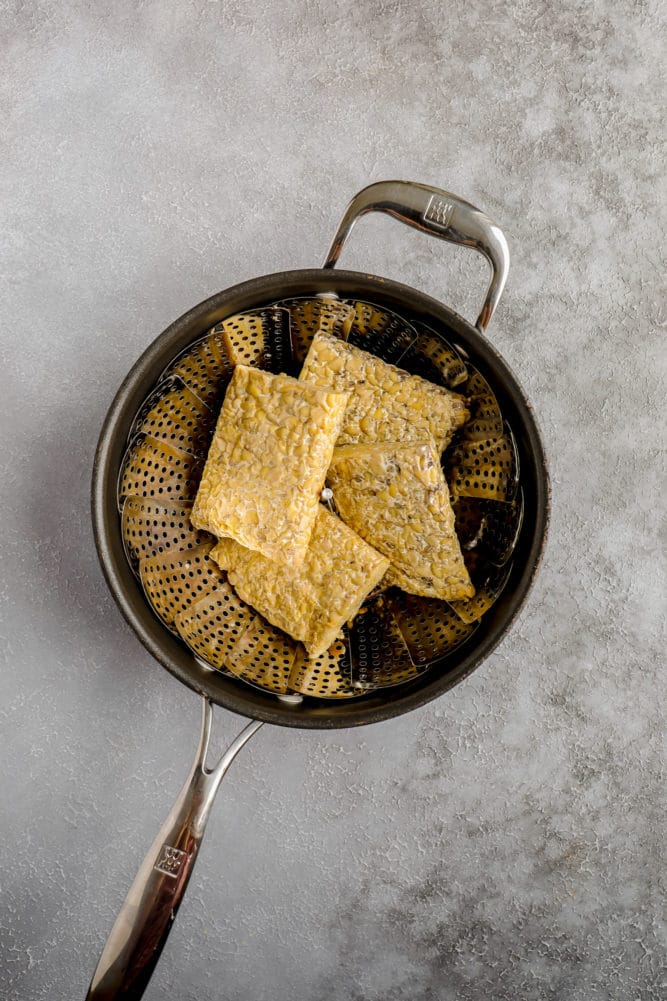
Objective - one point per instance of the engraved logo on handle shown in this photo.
(438, 211)
(171, 861)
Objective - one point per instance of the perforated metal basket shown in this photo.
(392, 640)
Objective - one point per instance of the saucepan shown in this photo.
(141, 929)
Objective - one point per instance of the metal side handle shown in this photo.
(439, 213)
(145, 919)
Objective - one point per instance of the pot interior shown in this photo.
(234, 693)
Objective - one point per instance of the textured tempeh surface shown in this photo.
(386, 403)
(267, 462)
(395, 496)
(312, 601)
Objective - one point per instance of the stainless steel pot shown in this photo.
(141, 929)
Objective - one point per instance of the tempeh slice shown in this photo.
(387, 403)
(310, 602)
(395, 496)
(267, 463)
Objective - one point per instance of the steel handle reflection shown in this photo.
(438, 213)
(145, 919)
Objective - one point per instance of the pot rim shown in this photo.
(234, 694)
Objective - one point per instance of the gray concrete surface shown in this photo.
(504, 842)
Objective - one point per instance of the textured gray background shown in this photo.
(504, 842)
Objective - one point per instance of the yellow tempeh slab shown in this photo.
(387, 403)
(396, 497)
(310, 602)
(267, 463)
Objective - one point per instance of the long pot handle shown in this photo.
(145, 919)
(439, 213)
